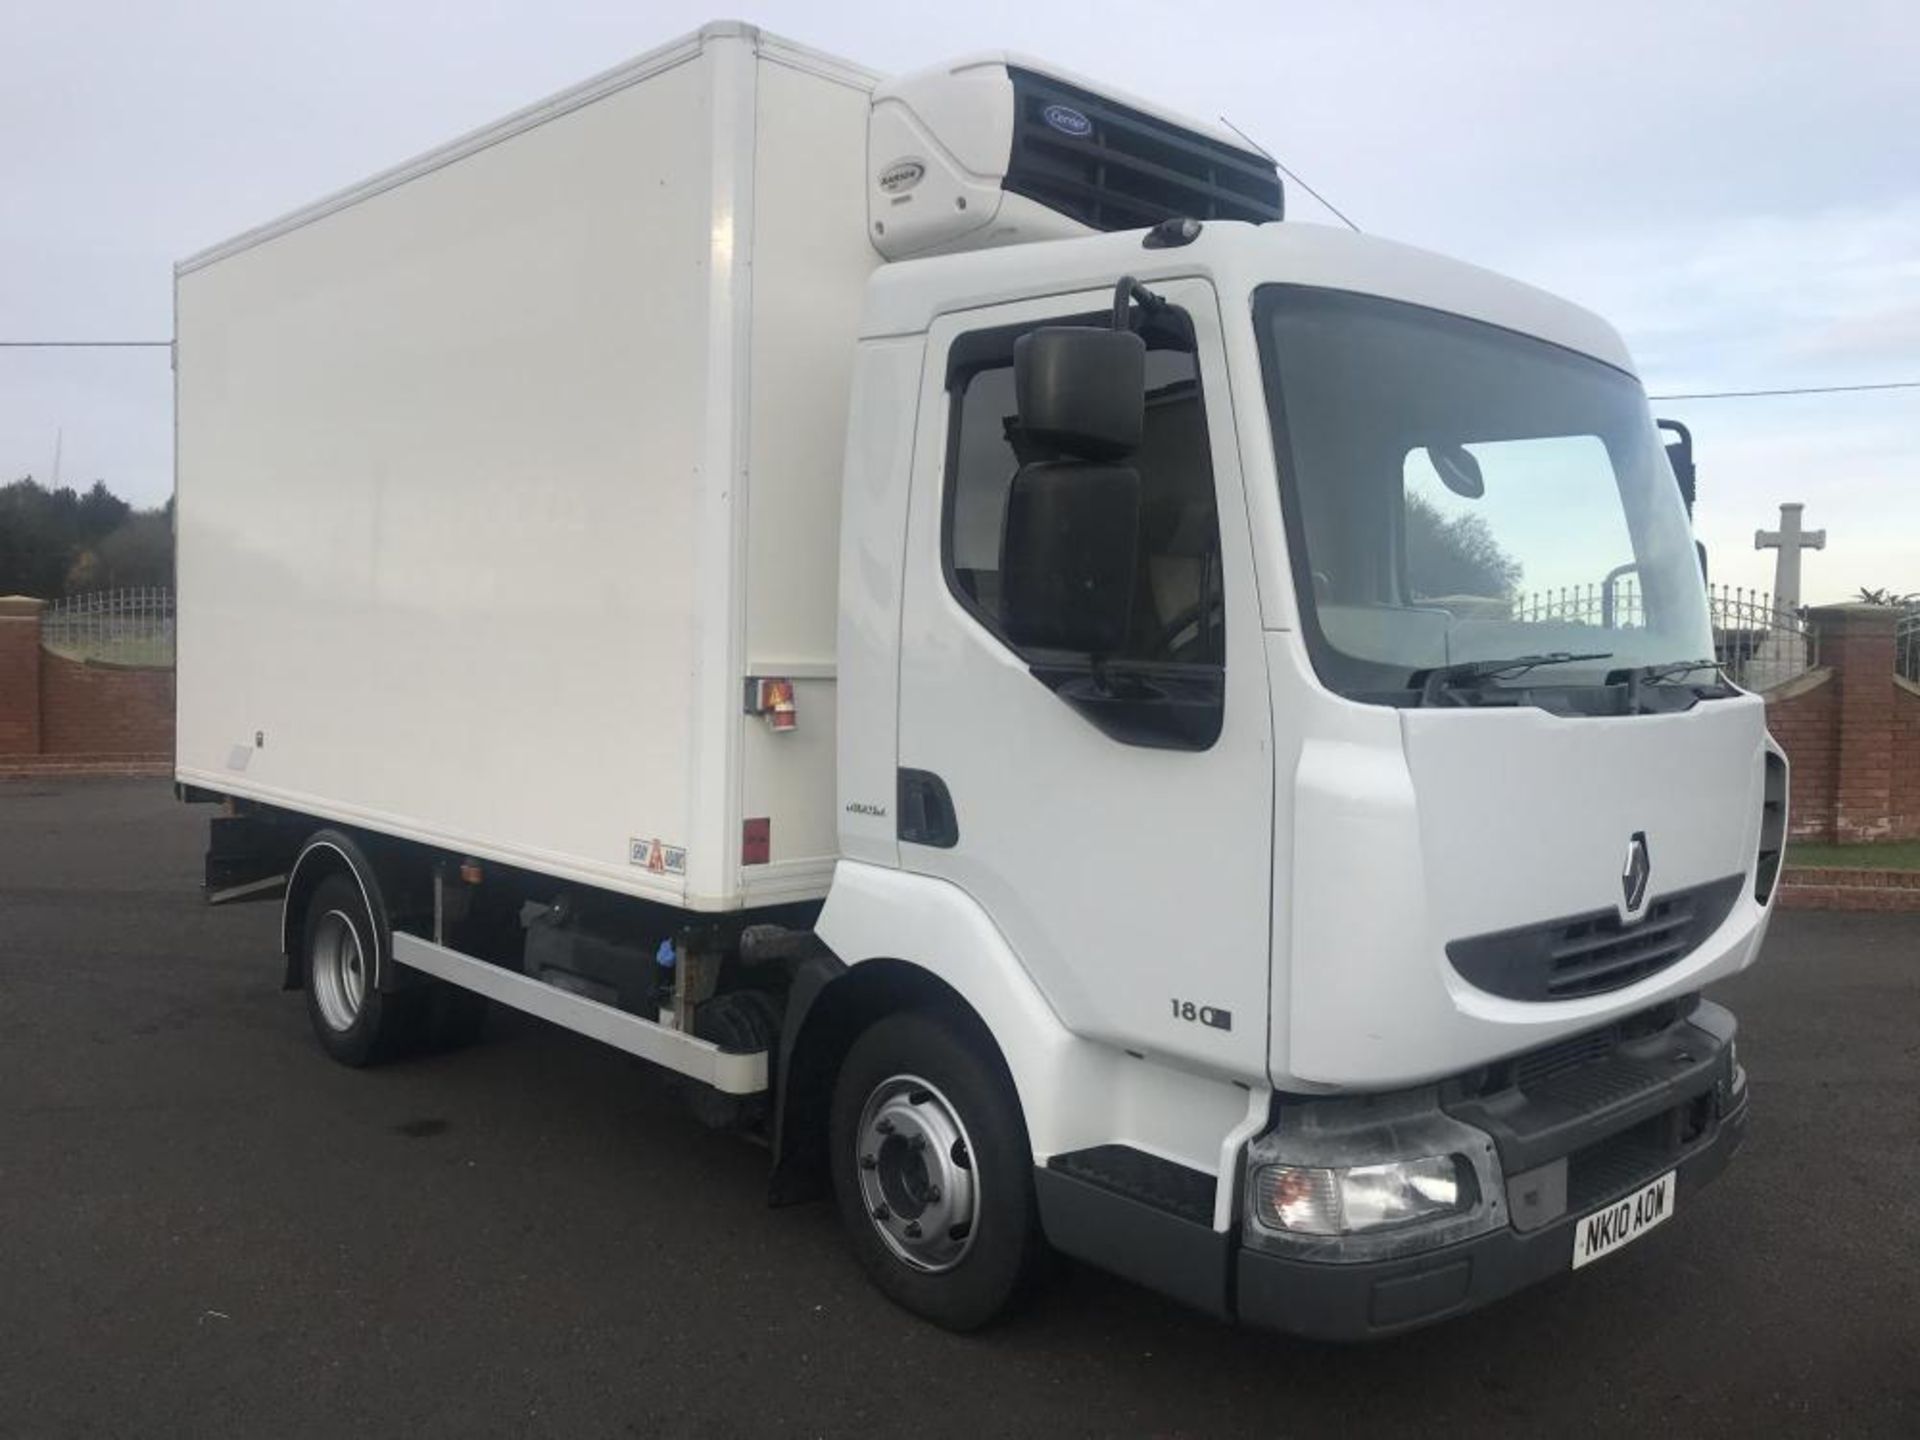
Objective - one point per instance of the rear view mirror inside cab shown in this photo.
(1458, 470)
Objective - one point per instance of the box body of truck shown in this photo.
(499, 472)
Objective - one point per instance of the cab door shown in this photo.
(1123, 851)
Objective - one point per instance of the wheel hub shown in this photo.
(339, 972)
(916, 1173)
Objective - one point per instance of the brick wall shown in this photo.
(51, 706)
(1905, 808)
(95, 709)
(1800, 715)
(1851, 731)
(1810, 888)
(19, 675)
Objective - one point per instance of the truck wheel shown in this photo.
(356, 1023)
(933, 1172)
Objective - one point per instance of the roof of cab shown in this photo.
(905, 297)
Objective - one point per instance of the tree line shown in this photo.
(63, 542)
(1455, 555)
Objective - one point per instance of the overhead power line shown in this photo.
(1881, 385)
(1795, 390)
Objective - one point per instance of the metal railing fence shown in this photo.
(125, 627)
(1758, 643)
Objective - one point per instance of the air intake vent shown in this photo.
(1535, 1069)
(1773, 829)
(1112, 167)
(1593, 953)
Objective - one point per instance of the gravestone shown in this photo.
(1782, 653)
(1789, 540)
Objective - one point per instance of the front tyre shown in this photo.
(933, 1172)
(354, 1021)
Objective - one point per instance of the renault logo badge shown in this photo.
(1635, 874)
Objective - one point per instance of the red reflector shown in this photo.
(756, 842)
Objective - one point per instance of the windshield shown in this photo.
(1456, 492)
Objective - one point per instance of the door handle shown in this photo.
(924, 813)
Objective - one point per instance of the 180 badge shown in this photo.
(1211, 1015)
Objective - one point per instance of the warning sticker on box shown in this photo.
(657, 856)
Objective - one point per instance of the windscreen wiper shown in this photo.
(1641, 675)
(1433, 683)
(1656, 674)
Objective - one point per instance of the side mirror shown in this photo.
(1081, 392)
(1067, 556)
(1680, 457)
(1071, 543)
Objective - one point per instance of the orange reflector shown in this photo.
(774, 699)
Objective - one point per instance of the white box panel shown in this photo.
(469, 473)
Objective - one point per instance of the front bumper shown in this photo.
(1559, 1135)
(1370, 1299)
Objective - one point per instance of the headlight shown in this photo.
(1311, 1200)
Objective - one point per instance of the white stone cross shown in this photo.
(1789, 540)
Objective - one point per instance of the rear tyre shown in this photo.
(355, 1023)
(933, 1172)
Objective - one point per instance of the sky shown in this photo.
(1735, 186)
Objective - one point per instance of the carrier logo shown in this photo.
(1067, 120)
(1635, 874)
(901, 176)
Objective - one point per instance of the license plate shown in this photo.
(1625, 1220)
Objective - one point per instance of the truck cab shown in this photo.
(1317, 846)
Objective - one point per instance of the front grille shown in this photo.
(1634, 1156)
(1534, 1070)
(1539, 1072)
(1617, 1105)
(1112, 167)
(1593, 953)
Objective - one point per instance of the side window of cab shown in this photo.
(1175, 613)
(1097, 561)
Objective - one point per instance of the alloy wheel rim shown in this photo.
(917, 1178)
(339, 971)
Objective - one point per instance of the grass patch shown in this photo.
(1879, 855)
(149, 650)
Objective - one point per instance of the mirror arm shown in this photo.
(1128, 291)
(1097, 672)
(1607, 591)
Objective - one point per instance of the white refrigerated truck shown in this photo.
(1084, 713)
